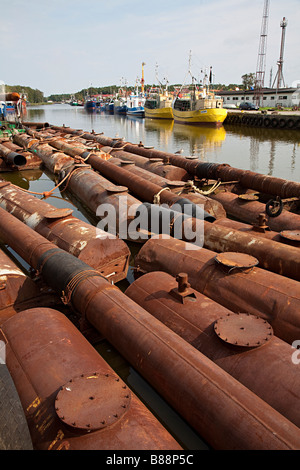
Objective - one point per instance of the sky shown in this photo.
(64, 46)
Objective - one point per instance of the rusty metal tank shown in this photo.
(18, 291)
(71, 397)
(223, 411)
(104, 252)
(231, 279)
(248, 211)
(240, 343)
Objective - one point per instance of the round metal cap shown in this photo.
(293, 235)
(243, 329)
(92, 401)
(236, 260)
(248, 197)
(58, 213)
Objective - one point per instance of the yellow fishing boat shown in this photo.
(158, 105)
(197, 105)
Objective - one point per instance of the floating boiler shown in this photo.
(76, 149)
(270, 255)
(80, 403)
(226, 414)
(242, 344)
(18, 291)
(231, 279)
(104, 252)
(246, 209)
(276, 257)
(250, 211)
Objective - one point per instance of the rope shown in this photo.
(190, 184)
(75, 281)
(156, 197)
(48, 193)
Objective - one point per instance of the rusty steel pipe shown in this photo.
(249, 211)
(236, 284)
(71, 397)
(18, 291)
(224, 412)
(271, 255)
(261, 229)
(264, 366)
(75, 149)
(224, 172)
(144, 189)
(97, 193)
(104, 252)
(12, 158)
(156, 167)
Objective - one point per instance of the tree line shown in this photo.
(33, 96)
(37, 96)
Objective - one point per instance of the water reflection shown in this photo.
(267, 151)
(199, 139)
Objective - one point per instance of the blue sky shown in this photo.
(63, 46)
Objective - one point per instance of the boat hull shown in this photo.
(138, 111)
(159, 113)
(209, 117)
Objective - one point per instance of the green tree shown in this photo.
(248, 80)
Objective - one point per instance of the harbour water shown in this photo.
(266, 151)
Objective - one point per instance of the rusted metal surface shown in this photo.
(157, 166)
(143, 189)
(264, 365)
(260, 229)
(224, 172)
(78, 404)
(18, 291)
(12, 158)
(257, 291)
(249, 211)
(224, 412)
(32, 161)
(75, 149)
(104, 252)
(93, 190)
(271, 255)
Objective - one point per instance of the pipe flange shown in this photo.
(90, 402)
(236, 260)
(58, 213)
(243, 329)
(248, 197)
(293, 235)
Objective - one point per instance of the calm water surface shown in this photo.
(265, 151)
(269, 151)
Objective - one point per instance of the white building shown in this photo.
(285, 97)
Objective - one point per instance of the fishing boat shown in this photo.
(158, 104)
(135, 105)
(136, 100)
(197, 105)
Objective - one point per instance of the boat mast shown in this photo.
(142, 80)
